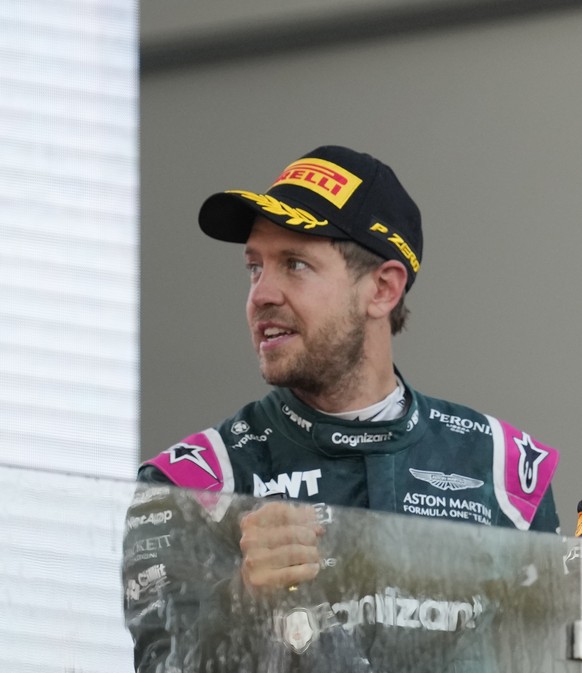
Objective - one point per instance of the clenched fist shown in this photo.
(279, 546)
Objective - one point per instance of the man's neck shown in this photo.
(388, 409)
(352, 395)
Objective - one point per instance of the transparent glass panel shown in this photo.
(60, 573)
(395, 594)
(69, 235)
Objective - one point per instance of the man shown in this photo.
(331, 248)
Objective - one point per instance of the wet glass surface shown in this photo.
(400, 594)
(395, 594)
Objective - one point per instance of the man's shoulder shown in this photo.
(203, 460)
(439, 407)
(247, 419)
(522, 466)
(199, 461)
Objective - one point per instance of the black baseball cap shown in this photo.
(333, 192)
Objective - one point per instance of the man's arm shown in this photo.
(187, 590)
(177, 579)
(546, 517)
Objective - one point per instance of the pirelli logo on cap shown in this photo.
(325, 178)
(381, 231)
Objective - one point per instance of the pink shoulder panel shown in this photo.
(523, 469)
(200, 462)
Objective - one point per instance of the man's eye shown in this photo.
(253, 269)
(296, 265)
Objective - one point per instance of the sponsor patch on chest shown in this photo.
(293, 484)
(459, 424)
(446, 507)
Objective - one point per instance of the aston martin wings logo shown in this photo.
(446, 482)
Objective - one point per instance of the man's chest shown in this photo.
(450, 480)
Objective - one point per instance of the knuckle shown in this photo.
(249, 540)
(247, 520)
(250, 563)
(245, 542)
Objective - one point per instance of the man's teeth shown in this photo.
(274, 332)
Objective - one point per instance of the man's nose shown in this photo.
(266, 290)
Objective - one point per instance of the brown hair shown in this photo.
(360, 261)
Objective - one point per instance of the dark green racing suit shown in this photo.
(184, 604)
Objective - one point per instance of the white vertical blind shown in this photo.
(68, 330)
(68, 235)
(60, 589)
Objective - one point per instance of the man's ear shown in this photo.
(389, 286)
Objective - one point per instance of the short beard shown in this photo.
(331, 360)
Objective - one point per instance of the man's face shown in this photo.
(304, 310)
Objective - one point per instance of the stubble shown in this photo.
(331, 358)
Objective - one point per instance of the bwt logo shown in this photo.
(287, 483)
(301, 422)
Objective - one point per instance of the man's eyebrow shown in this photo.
(248, 251)
(296, 252)
(285, 252)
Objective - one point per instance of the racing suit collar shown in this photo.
(341, 438)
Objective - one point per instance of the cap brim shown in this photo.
(229, 216)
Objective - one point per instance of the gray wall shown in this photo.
(481, 121)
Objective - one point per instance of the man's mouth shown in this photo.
(272, 333)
